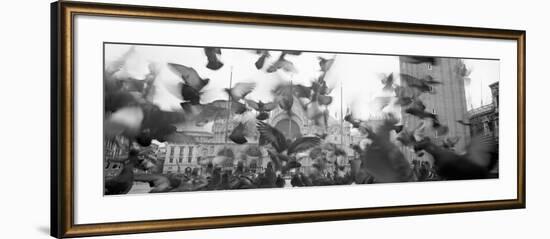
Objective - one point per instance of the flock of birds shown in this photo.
(131, 113)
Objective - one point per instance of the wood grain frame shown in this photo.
(62, 117)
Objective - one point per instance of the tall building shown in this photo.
(447, 100)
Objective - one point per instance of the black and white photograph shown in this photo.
(196, 118)
(271, 119)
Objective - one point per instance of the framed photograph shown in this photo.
(170, 119)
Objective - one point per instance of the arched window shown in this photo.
(289, 128)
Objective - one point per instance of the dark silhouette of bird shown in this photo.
(189, 76)
(281, 162)
(291, 164)
(398, 128)
(474, 164)
(358, 174)
(262, 116)
(241, 181)
(405, 95)
(406, 138)
(280, 181)
(355, 123)
(300, 180)
(215, 178)
(271, 135)
(422, 84)
(383, 159)
(417, 105)
(262, 108)
(282, 63)
(126, 101)
(282, 157)
(240, 90)
(159, 132)
(244, 130)
(124, 91)
(192, 85)
(284, 94)
(238, 134)
(296, 180)
(319, 91)
(205, 113)
(268, 178)
(217, 109)
(417, 109)
(419, 60)
(238, 108)
(214, 62)
(224, 183)
(158, 124)
(450, 142)
(119, 99)
(325, 64)
(388, 82)
(420, 113)
(190, 95)
(264, 54)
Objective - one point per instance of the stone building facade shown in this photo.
(484, 119)
(448, 99)
(206, 145)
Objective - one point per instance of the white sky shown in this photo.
(483, 73)
(359, 75)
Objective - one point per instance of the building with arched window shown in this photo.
(195, 149)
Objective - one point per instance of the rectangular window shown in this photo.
(171, 151)
(190, 154)
(182, 148)
(180, 158)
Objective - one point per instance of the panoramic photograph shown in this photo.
(202, 118)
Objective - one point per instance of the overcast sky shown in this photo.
(483, 73)
(359, 76)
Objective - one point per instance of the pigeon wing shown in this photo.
(189, 75)
(303, 143)
(241, 89)
(268, 134)
(252, 104)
